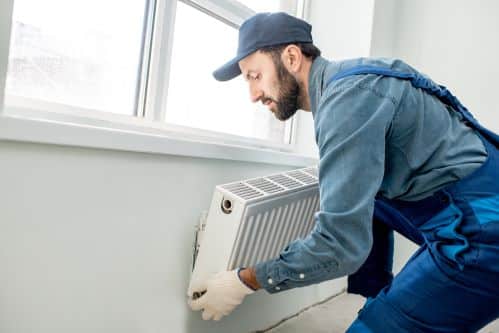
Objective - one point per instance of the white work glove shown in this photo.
(224, 291)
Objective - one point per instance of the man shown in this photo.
(397, 152)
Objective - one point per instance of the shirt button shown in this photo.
(270, 281)
(277, 288)
(302, 276)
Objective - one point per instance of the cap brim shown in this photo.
(230, 70)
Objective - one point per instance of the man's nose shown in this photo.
(255, 94)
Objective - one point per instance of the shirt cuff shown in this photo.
(274, 278)
(267, 275)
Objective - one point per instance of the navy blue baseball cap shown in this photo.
(262, 30)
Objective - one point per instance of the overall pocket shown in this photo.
(443, 235)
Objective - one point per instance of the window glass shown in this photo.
(78, 53)
(195, 98)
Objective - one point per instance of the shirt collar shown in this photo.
(320, 72)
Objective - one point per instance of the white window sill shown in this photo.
(137, 136)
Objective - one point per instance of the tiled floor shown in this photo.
(335, 316)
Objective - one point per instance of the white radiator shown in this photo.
(253, 220)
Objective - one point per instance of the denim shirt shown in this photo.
(376, 136)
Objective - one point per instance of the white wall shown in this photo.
(342, 28)
(101, 241)
(453, 41)
(383, 28)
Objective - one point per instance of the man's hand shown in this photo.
(223, 292)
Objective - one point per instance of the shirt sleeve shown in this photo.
(351, 124)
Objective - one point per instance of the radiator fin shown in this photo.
(302, 218)
(278, 236)
(273, 184)
(242, 190)
(302, 177)
(312, 171)
(270, 237)
(264, 235)
(265, 185)
(284, 181)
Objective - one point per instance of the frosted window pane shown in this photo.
(195, 98)
(78, 53)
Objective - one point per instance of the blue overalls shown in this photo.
(451, 284)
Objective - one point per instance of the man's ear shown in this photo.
(292, 58)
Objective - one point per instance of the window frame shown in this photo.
(229, 12)
(152, 95)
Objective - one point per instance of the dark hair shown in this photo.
(309, 50)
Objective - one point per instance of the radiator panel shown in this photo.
(267, 228)
(253, 220)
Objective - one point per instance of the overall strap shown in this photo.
(419, 81)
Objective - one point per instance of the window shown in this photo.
(85, 54)
(196, 99)
(142, 63)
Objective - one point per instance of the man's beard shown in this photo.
(288, 100)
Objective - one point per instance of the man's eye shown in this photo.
(256, 77)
